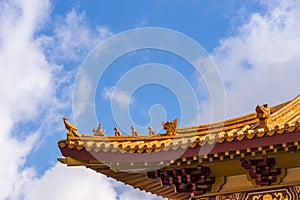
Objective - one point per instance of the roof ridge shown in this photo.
(286, 112)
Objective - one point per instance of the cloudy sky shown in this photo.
(253, 46)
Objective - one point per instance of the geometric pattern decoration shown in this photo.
(261, 170)
(193, 181)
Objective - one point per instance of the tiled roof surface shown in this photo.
(283, 116)
(145, 146)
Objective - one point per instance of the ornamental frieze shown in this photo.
(287, 193)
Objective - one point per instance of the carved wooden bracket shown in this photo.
(261, 170)
(194, 181)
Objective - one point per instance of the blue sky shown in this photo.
(44, 44)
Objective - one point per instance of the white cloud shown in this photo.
(62, 182)
(73, 37)
(131, 194)
(83, 94)
(121, 97)
(261, 63)
(25, 84)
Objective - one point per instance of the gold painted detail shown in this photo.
(280, 194)
(235, 196)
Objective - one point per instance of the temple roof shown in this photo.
(267, 131)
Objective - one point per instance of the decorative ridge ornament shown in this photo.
(99, 131)
(71, 128)
(134, 131)
(117, 132)
(263, 114)
(151, 131)
(170, 127)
